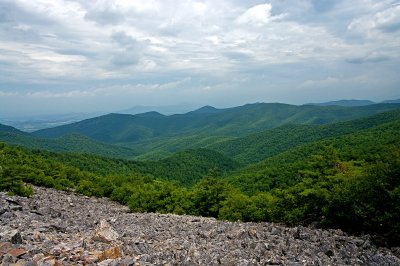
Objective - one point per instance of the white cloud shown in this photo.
(66, 43)
(258, 15)
(381, 21)
(52, 94)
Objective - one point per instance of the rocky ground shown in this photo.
(60, 228)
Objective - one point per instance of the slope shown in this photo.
(255, 147)
(345, 103)
(284, 169)
(237, 121)
(10, 129)
(67, 143)
(185, 168)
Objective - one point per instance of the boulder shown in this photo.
(105, 233)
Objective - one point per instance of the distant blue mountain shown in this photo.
(150, 114)
(205, 110)
(233, 122)
(165, 110)
(392, 101)
(345, 103)
(10, 129)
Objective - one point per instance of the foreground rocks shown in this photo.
(60, 228)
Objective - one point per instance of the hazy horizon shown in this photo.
(75, 56)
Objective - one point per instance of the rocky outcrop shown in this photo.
(60, 228)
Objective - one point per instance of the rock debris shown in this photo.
(63, 228)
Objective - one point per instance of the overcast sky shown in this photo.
(60, 56)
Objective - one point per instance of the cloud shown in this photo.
(52, 47)
(370, 58)
(105, 16)
(389, 19)
(130, 51)
(384, 20)
(67, 94)
(258, 15)
(324, 5)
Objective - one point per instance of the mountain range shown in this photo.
(153, 136)
(237, 121)
(336, 166)
(353, 102)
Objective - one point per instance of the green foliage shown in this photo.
(67, 143)
(344, 175)
(288, 168)
(208, 196)
(258, 146)
(232, 122)
(188, 167)
(185, 167)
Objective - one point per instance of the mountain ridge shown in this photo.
(236, 121)
(350, 102)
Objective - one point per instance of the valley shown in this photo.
(331, 166)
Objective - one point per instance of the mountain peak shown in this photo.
(150, 114)
(205, 109)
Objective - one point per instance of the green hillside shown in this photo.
(343, 174)
(67, 143)
(160, 148)
(255, 147)
(10, 129)
(189, 166)
(349, 182)
(185, 167)
(284, 169)
(238, 121)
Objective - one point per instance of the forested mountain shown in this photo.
(392, 101)
(238, 121)
(343, 174)
(10, 129)
(345, 103)
(258, 146)
(349, 182)
(67, 143)
(284, 169)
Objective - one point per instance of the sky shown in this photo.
(62, 56)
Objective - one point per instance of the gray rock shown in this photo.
(56, 233)
(16, 238)
(8, 260)
(104, 232)
(13, 236)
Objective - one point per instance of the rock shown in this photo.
(127, 261)
(22, 262)
(16, 238)
(396, 251)
(275, 231)
(5, 247)
(8, 259)
(105, 233)
(37, 257)
(13, 201)
(13, 236)
(62, 235)
(48, 261)
(112, 253)
(296, 233)
(3, 210)
(15, 208)
(90, 259)
(16, 252)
